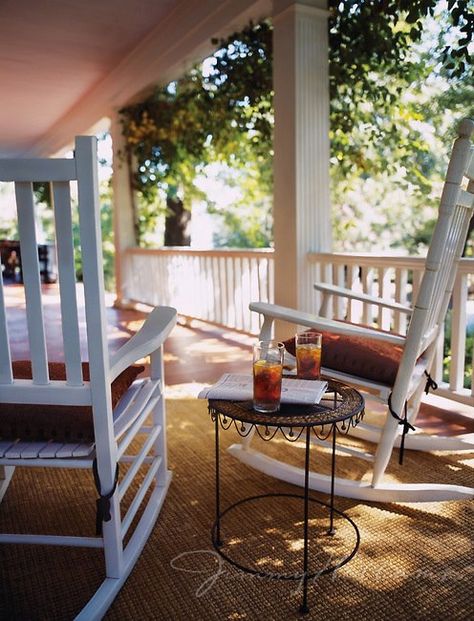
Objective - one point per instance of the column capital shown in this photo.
(315, 8)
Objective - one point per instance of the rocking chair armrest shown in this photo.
(149, 338)
(329, 289)
(273, 311)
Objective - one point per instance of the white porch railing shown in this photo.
(211, 285)
(217, 286)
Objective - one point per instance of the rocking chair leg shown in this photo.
(384, 449)
(113, 547)
(414, 404)
(6, 473)
(247, 440)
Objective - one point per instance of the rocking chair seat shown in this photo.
(60, 423)
(360, 356)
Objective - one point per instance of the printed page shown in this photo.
(238, 387)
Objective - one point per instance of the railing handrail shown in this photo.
(199, 252)
(466, 264)
(366, 259)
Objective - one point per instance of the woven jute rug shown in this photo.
(414, 560)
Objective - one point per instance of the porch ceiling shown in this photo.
(66, 64)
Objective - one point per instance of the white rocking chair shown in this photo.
(112, 429)
(418, 349)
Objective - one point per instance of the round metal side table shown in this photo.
(340, 408)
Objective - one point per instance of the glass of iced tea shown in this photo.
(267, 370)
(308, 355)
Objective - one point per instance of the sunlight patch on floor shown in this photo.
(184, 391)
(296, 545)
(213, 351)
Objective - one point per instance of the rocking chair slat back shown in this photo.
(60, 173)
(93, 277)
(446, 247)
(31, 280)
(6, 376)
(67, 284)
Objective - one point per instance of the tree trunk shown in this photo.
(177, 223)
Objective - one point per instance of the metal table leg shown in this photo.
(304, 605)
(218, 508)
(332, 530)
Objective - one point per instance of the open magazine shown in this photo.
(235, 387)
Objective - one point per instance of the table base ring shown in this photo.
(261, 574)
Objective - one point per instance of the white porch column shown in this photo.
(123, 218)
(301, 166)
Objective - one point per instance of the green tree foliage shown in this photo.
(372, 64)
(378, 126)
(219, 115)
(223, 113)
(248, 223)
(371, 54)
(397, 90)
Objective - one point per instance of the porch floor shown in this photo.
(197, 354)
(179, 576)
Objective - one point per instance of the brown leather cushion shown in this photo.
(360, 356)
(63, 423)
